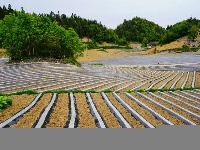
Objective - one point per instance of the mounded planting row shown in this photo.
(102, 110)
(47, 76)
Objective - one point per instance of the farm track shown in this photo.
(101, 110)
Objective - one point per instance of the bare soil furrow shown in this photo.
(31, 117)
(110, 120)
(178, 103)
(197, 84)
(162, 112)
(175, 109)
(124, 112)
(172, 81)
(190, 79)
(86, 119)
(147, 115)
(184, 100)
(60, 113)
(19, 103)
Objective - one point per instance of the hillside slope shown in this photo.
(175, 44)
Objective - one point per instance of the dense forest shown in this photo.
(57, 35)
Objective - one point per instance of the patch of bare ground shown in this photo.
(86, 119)
(109, 118)
(159, 110)
(177, 110)
(190, 79)
(60, 113)
(3, 53)
(19, 103)
(147, 115)
(30, 118)
(197, 83)
(176, 44)
(92, 55)
(124, 112)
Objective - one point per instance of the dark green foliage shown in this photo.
(92, 45)
(139, 29)
(84, 27)
(193, 32)
(27, 36)
(187, 27)
(29, 92)
(5, 102)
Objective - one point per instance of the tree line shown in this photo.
(144, 31)
(187, 27)
(56, 35)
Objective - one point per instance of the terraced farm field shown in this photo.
(119, 101)
(48, 76)
(103, 110)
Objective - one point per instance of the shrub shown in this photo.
(5, 102)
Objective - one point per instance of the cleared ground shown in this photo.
(92, 55)
(102, 110)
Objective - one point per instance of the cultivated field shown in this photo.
(48, 76)
(125, 106)
(103, 110)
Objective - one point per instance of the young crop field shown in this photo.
(102, 110)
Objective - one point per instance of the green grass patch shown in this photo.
(29, 92)
(107, 91)
(162, 90)
(97, 64)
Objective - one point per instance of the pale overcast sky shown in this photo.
(112, 12)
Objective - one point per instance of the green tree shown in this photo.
(29, 35)
(145, 42)
(193, 32)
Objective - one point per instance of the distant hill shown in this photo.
(140, 30)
